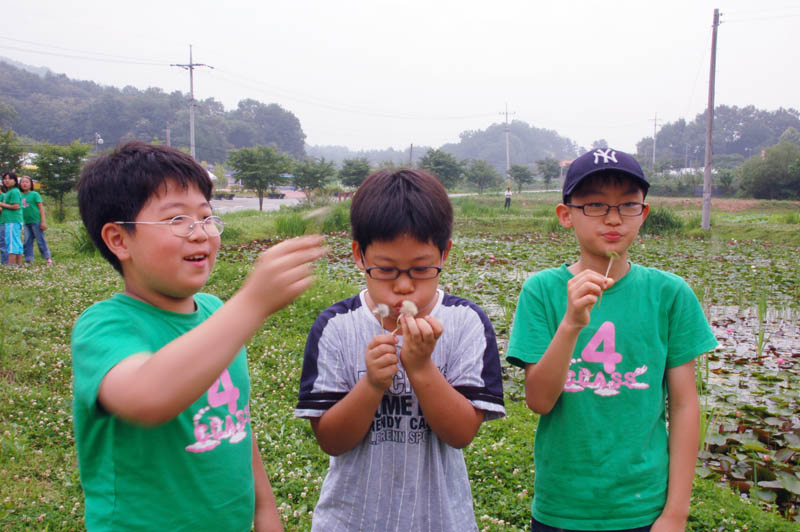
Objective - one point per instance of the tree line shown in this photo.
(739, 133)
(55, 109)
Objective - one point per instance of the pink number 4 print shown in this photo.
(229, 393)
(608, 356)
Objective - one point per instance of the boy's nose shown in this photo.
(403, 284)
(198, 234)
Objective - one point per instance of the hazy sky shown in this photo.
(376, 74)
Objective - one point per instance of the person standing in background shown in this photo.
(12, 218)
(33, 218)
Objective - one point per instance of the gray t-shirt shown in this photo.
(401, 476)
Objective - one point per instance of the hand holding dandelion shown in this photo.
(407, 308)
(611, 256)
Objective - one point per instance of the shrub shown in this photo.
(291, 225)
(338, 219)
(662, 221)
(80, 242)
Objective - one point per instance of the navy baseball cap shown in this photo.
(602, 160)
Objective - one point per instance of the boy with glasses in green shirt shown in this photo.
(160, 379)
(600, 371)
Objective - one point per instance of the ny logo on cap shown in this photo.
(605, 155)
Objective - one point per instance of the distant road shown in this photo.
(251, 204)
(295, 198)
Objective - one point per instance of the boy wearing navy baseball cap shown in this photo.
(605, 345)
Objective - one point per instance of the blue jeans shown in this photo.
(34, 230)
(3, 246)
(536, 526)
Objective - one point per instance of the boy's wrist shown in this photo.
(421, 370)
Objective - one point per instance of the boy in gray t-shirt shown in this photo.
(393, 396)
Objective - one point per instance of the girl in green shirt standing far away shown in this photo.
(11, 218)
(34, 219)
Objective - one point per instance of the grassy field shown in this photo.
(749, 256)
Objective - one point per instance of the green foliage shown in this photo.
(80, 242)
(481, 175)
(311, 175)
(11, 152)
(41, 488)
(222, 179)
(445, 166)
(776, 175)
(549, 169)
(338, 219)
(661, 221)
(260, 168)
(521, 174)
(291, 224)
(739, 132)
(58, 169)
(354, 171)
(472, 208)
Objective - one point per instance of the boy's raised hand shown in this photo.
(583, 291)
(381, 360)
(419, 339)
(283, 272)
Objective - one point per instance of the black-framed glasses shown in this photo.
(390, 273)
(183, 225)
(630, 208)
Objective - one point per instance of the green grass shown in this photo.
(493, 254)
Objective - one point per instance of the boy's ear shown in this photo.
(357, 254)
(116, 240)
(446, 251)
(564, 215)
(645, 212)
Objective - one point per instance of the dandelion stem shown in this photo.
(611, 256)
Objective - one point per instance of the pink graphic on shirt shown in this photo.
(233, 428)
(609, 358)
(605, 383)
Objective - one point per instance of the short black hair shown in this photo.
(395, 202)
(598, 179)
(13, 176)
(116, 186)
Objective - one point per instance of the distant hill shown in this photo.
(54, 108)
(527, 144)
(39, 71)
(338, 154)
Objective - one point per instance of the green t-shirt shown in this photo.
(30, 209)
(193, 473)
(601, 453)
(11, 215)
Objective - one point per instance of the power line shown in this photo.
(85, 54)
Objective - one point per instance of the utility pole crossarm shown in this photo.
(508, 153)
(190, 67)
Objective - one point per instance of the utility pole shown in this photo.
(508, 153)
(410, 155)
(169, 138)
(190, 67)
(706, 221)
(655, 126)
